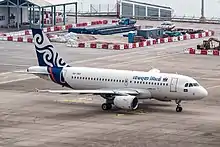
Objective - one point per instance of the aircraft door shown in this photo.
(62, 75)
(173, 85)
(126, 82)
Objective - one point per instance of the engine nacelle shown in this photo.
(126, 102)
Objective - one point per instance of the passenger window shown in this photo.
(137, 82)
(161, 84)
(134, 82)
(146, 82)
(143, 82)
(108, 79)
(116, 80)
(86, 78)
(158, 83)
(119, 80)
(122, 81)
(166, 84)
(190, 85)
(140, 82)
(186, 85)
(130, 81)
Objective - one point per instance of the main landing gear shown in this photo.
(178, 107)
(106, 106)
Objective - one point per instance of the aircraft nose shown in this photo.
(203, 92)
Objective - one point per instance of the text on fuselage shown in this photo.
(151, 78)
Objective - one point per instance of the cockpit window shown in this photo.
(191, 85)
(195, 84)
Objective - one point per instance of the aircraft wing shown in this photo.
(96, 92)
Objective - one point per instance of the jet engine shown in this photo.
(126, 102)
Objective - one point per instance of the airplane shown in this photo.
(121, 88)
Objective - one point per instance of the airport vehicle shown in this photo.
(211, 43)
(122, 88)
(167, 25)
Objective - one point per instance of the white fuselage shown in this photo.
(161, 86)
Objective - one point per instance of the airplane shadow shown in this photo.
(86, 110)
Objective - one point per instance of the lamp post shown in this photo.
(202, 18)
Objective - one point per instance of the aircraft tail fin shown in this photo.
(46, 54)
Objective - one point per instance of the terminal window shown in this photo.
(2, 18)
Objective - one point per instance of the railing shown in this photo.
(91, 14)
(212, 20)
(192, 19)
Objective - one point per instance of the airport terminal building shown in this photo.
(131, 8)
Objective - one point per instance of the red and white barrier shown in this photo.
(202, 52)
(21, 37)
(149, 42)
(115, 46)
(64, 27)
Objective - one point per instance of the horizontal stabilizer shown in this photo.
(32, 72)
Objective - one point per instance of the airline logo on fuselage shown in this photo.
(151, 78)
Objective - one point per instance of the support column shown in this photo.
(42, 17)
(54, 15)
(33, 15)
(8, 14)
(18, 15)
(120, 9)
(76, 12)
(202, 18)
(133, 15)
(64, 14)
(21, 15)
(159, 14)
(146, 13)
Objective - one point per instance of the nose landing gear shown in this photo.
(178, 107)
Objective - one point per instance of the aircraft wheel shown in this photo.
(179, 109)
(106, 106)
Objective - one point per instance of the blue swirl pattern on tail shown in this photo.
(46, 54)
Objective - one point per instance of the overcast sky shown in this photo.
(181, 7)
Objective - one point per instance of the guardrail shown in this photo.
(91, 14)
(174, 18)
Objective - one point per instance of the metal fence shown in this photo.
(111, 10)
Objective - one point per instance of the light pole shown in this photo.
(202, 18)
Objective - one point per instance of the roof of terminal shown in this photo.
(39, 3)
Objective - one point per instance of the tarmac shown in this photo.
(35, 119)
